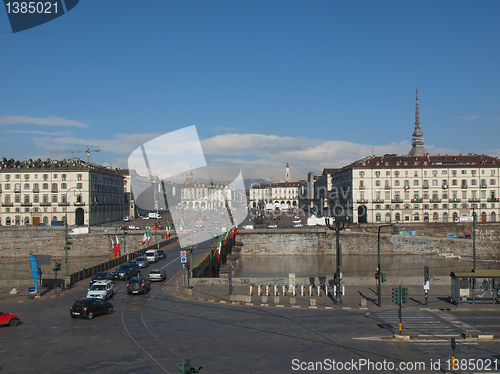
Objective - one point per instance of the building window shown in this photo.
(361, 174)
(27, 198)
(415, 182)
(492, 182)
(54, 198)
(396, 173)
(377, 174)
(79, 185)
(36, 198)
(64, 186)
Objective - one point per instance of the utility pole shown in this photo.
(380, 277)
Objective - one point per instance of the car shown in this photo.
(103, 289)
(272, 226)
(102, 275)
(161, 254)
(133, 227)
(298, 225)
(137, 285)
(297, 221)
(126, 219)
(157, 275)
(142, 261)
(152, 255)
(90, 307)
(8, 319)
(127, 271)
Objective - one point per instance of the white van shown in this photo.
(152, 255)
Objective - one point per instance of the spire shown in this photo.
(287, 173)
(418, 137)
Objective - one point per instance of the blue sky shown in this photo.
(315, 84)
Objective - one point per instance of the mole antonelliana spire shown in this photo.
(417, 142)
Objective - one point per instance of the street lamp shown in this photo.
(379, 274)
(338, 223)
(66, 241)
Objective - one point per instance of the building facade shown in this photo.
(41, 192)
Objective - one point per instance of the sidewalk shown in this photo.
(360, 297)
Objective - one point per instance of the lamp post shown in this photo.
(338, 223)
(473, 239)
(379, 274)
(66, 242)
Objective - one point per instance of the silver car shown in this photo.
(157, 275)
(142, 261)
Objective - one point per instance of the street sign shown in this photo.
(426, 285)
(183, 253)
(183, 260)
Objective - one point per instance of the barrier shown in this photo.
(251, 289)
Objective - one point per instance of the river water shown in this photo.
(352, 265)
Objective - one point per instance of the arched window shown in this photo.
(445, 217)
(416, 217)
(388, 218)
(493, 217)
(378, 217)
(435, 217)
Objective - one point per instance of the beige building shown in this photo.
(37, 192)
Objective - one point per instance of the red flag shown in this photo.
(118, 248)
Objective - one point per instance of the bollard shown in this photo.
(259, 289)
(320, 291)
(311, 290)
(275, 290)
(251, 289)
(302, 290)
(294, 290)
(268, 289)
(285, 289)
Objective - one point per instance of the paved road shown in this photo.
(153, 333)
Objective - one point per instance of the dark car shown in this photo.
(142, 261)
(102, 275)
(138, 284)
(9, 319)
(90, 307)
(161, 255)
(127, 271)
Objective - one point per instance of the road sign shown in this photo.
(183, 253)
(183, 260)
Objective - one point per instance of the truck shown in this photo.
(464, 219)
(79, 230)
(154, 216)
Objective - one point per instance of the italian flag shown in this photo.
(147, 235)
(115, 248)
(118, 248)
(167, 231)
(219, 247)
(182, 225)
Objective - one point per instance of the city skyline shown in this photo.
(315, 85)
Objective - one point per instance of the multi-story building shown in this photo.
(281, 194)
(416, 187)
(40, 192)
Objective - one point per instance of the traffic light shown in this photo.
(395, 295)
(57, 266)
(382, 278)
(68, 241)
(376, 275)
(186, 265)
(426, 273)
(188, 368)
(404, 295)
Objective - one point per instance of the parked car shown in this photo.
(138, 285)
(297, 221)
(126, 219)
(103, 289)
(102, 275)
(272, 226)
(152, 255)
(298, 225)
(90, 307)
(161, 254)
(157, 275)
(133, 227)
(142, 261)
(9, 319)
(127, 271)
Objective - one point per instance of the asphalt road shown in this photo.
(153, 333)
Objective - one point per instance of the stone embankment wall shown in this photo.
(319, 241)
(23, 241)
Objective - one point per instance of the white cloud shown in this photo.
(48, 121)
(469, 118)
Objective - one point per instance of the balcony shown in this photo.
(387, 187)
(36, 190)
(7, 204)
(483, 186)
(433, 200)
(474, 200)
(63, 204)
(79, 204)
(54, 190)
(378, 201)
(362, 201)
(397, 200)
(26, 204)
(493, 200)
(425, 187)
(444, 186)
(454, 200)
(419, 200)
(45, 204)
(464, 186)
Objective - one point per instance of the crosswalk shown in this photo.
(423, 322)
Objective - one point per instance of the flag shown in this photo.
(219, 247)
(115, 249)
(182, 225)
(118, 248)
(167, 231)
(147, 235)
